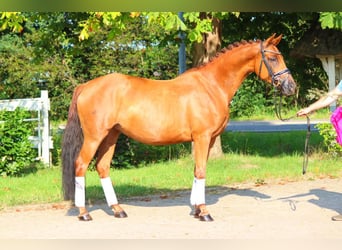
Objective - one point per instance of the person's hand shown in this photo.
(304, 111)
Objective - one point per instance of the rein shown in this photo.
(278, 107)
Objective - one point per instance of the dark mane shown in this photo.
(226, 49)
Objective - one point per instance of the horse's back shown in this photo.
(150, 111)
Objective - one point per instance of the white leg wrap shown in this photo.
(79, 191)
(198, 192)
(109, 191)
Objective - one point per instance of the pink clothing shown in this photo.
(336, 120)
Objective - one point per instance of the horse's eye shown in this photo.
(272, 59)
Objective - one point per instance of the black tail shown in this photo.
(71, 146)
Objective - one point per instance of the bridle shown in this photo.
(276, 85)
(274, 76)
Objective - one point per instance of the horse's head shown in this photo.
(270, 66)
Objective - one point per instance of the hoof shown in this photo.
(121, 214)
(197, 213)
(206, 217)
(85, 217)
(337, 217)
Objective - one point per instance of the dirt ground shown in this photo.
(297, 210)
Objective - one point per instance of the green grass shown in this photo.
(270, 115)
(44, 185)
(254, 158)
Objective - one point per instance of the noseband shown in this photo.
(274, 76)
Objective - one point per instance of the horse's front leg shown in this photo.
(197, 199)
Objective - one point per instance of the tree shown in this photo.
(209, 45)
(170, 21)
(48, 49)
(63, 46)
(331, 20)
(13, 21)
(127, 42)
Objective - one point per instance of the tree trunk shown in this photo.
(202, 53)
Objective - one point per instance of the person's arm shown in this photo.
(325, 101)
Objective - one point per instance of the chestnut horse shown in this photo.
(191, 107)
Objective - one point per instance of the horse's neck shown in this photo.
(230, 69)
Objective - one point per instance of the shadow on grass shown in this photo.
(31, 169)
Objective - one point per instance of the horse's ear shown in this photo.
(274, 40)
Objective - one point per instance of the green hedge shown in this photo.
(16, 152)
(327, 131)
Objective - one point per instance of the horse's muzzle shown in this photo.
(287, 85)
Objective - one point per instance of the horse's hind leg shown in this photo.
(81, 165)
(104, 158)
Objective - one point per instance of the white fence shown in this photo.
(43, 142)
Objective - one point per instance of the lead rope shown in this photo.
(308, 132)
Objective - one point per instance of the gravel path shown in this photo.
(297, 210)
